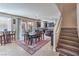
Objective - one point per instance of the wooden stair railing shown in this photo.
(56, 33)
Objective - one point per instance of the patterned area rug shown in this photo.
(34, 48)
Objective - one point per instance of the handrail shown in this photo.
(58, 24)
(56, 33)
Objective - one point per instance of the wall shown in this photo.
(69, 20)
(68, 11)
(5, 23)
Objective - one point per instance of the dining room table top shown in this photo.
(32, 33)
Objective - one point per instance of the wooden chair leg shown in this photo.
(24, 38)
(12, 37)
(1, 40)
(43, 36)
(28, 41)
(31, 42)
(4, 39)
(36, 40)
(40, 37)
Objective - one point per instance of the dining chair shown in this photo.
(4, 38)
(26, 37)
(38, 36)
(42, 35)
(13, 35)
(32, 39)
(8, 37)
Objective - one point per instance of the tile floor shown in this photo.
(12, 49)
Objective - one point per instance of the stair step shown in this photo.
(62, 54)
(72, 43)
(66, 52)
(68, 47)
(68, 34)
(68, 42)
(68, 28)
(73, 32)
(69, 38)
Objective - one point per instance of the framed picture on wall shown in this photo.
(14, 21)
(38, 24)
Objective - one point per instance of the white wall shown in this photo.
(69, 19)
(68, 11)
(5, 23)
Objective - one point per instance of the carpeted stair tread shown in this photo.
(69, 34)
(68, 47)
(62, 54)
(72, 43)
(69, 31)
(68, 28)
(68, 43)
(69, 38)
(67, 52)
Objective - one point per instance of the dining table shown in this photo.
(33, 37)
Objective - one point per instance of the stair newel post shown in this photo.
(54, 42)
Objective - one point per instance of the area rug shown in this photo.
(35, 48)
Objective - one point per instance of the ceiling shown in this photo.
(43, 11)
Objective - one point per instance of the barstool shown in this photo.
(2, 39)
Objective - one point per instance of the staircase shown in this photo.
(68, 44)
